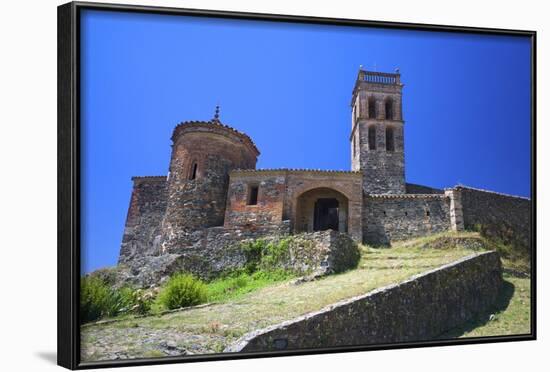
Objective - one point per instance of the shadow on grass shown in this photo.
(503, 300)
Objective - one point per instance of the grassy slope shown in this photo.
(210, 328)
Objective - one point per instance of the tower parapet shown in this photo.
(203, 153)
(377, 141)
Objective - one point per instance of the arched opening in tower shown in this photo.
(321, 209)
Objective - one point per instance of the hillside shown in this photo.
(210, 328)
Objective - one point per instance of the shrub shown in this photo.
(263, 255)
(136, 301)
(182, 290)
(96, 299)
(253, 251)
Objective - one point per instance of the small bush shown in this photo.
(136, 301)
(96, 299)
(253, 251)
(266, 256)
(182, 290)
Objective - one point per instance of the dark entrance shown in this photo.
(325, 215)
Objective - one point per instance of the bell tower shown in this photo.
(377, 146)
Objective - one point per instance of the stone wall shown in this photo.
(419, 309)
(412, 188)
(502, 216)
(218, 250)
(383, 171)
(142, 230)
(321, 253)
(396, 217)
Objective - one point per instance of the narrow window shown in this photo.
(389, 109)
(389, 140)
(193, 173)
(428, 213)
(372, 108)
(372, 138)
(253, 195)
(354, 146)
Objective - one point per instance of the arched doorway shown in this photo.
(325, 214)
(321, 209)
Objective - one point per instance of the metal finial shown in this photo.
(217, 114)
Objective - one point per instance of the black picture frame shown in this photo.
(69, 208)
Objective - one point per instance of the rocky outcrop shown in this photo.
(218, 251)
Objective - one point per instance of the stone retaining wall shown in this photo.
(418, 309)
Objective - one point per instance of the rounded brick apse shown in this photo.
(203, 153)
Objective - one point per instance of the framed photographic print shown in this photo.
(236, 185)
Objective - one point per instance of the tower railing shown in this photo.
(379, 77)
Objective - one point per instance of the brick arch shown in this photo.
(329, 185)
(305, 207)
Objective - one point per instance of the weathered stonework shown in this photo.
(290, 194)
(203, 153)
(412, 188)
(376, 109)
(214, 197)
(396, 217)
(321, 253)
(419, 309)
(505, 217)
(219, 250)
(147, 207)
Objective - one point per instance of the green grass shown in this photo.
(237, 285)
(511, 315)
(245, 303)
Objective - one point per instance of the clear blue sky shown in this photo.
(466, 102)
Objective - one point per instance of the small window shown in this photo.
(390, 145)
(428, 213)
(372, 138)
(406, 213)
(372, 108)
(389, 109)
(354, 146)
(253, 195)
(193, 172)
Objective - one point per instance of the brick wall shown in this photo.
(287, 194)
(269, 207)
(198, 203)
